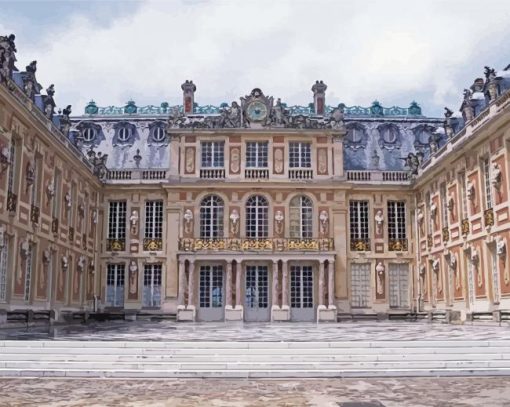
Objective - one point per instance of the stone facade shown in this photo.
(257, 211)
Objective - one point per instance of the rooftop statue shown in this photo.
(7, 57)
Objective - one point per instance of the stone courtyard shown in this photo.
(408, 392)
(172, 331)
(377, 392)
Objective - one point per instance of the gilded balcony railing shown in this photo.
(262, 245)
(488, 217)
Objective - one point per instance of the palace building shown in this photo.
(255, 210)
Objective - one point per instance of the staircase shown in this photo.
(199, 359)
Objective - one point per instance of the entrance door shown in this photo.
(211, 294)
(152, 286)
(301, 293)
(399, 285)
(256, 291)
(115, 285)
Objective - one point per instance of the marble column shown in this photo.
(285, 284)
(321, 283)
(191, 285)
(275, 284)
(228, 288)
(182, 283)
(331, 284)
(239, 280)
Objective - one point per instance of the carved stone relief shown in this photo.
(278, 160)
(235, 156)
(189, 165)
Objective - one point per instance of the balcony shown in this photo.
(256, 173)
(212, 173)
(54, 226)
(301, 173)
(397, 245)
(464, 226)
(12, 202)
(34, 214)
(378, 176)
(360, 245)
(488, 217)
(135, 175)
(152, 244)
(257, 245)
(115, 245)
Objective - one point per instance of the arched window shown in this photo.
(124, 133)
(301, 216)
(89, 134)
(257, 217)
(158, 134)
(211, 217)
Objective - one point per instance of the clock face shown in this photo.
(257, 111)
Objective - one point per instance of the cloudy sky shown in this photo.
(390, 50)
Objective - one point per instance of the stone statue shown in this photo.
(413, 161)
(379, 269)
(419, 216)
(423, 285)
(81, 263)
(234, 222)
(65, 122)
(379, 220)
(448, 128)
(470, 191)
(65, 263)
(49, 102)
(7, 57)
(133, 221)
(336, 120)
(2, 236)
(501, 246)
(467, 108)
(324, 223)
(68, 199)
(451, 203)
(30, 174)
(50, 189)
(133, 274)
(230, 117)
(279, 117)
(490, 79)
(278, 217)
(188, 221)
(496, 176)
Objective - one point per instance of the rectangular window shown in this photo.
(13, 152)
(4, 262)
(154, 219)
(213, 155)
(117, 220)
(399, 285)
(358, 216)
(300, 155)
(463, 195)
(444, 205)
(487, 182)
(397, 220)
(29, 264)
(256, 154)
(430, 223)
(152, 285)
(55, 203)
(70, 208)
(360, 285)
(36, 191)
(115, 285)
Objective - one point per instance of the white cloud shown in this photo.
(394, 51)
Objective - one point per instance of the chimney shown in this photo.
(319, 97)
(188, 96)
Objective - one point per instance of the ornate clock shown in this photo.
(256, 111)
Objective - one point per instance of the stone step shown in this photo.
(256, 351)
(260, 365)
(250, 358)
(315, 373)
(254, 345)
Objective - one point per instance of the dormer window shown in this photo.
(356, 136)
(158, 134)
(124, 134)
(389, 136)
(89, 134)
